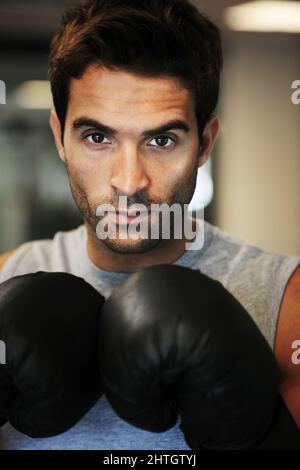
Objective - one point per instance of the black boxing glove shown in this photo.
(48, 322)
(174, 342)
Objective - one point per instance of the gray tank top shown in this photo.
(257, 278)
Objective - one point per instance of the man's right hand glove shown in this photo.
(48, 323)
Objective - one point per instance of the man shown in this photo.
(135, 85)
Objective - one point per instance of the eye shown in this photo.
(162, 141)
(96, 138)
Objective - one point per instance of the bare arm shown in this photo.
(288, 330)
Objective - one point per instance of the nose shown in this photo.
(128, 173)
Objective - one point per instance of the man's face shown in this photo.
(124, 158)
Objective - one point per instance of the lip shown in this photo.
(125, 217)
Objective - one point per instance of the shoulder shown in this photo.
(256, 277)
(239, 261)
(230, 250)
(54, 254)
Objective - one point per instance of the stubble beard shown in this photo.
(181, 194)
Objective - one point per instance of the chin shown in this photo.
(130, 247)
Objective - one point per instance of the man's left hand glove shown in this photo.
(175, 342)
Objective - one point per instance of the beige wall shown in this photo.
(258, 160)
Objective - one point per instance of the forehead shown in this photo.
(121, 94)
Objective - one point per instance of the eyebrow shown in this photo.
(107, 130)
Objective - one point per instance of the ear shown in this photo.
(209, 137)
(56, 130)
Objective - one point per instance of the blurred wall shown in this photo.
(257, 169)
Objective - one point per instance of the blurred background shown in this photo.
(250, 185)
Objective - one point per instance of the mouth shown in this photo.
(126, 217)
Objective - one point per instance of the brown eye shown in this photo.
(96, 138)
(162, 141)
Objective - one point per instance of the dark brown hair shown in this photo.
(168, 38)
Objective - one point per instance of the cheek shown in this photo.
(90, 174)
(95, 181)
(174, 173)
